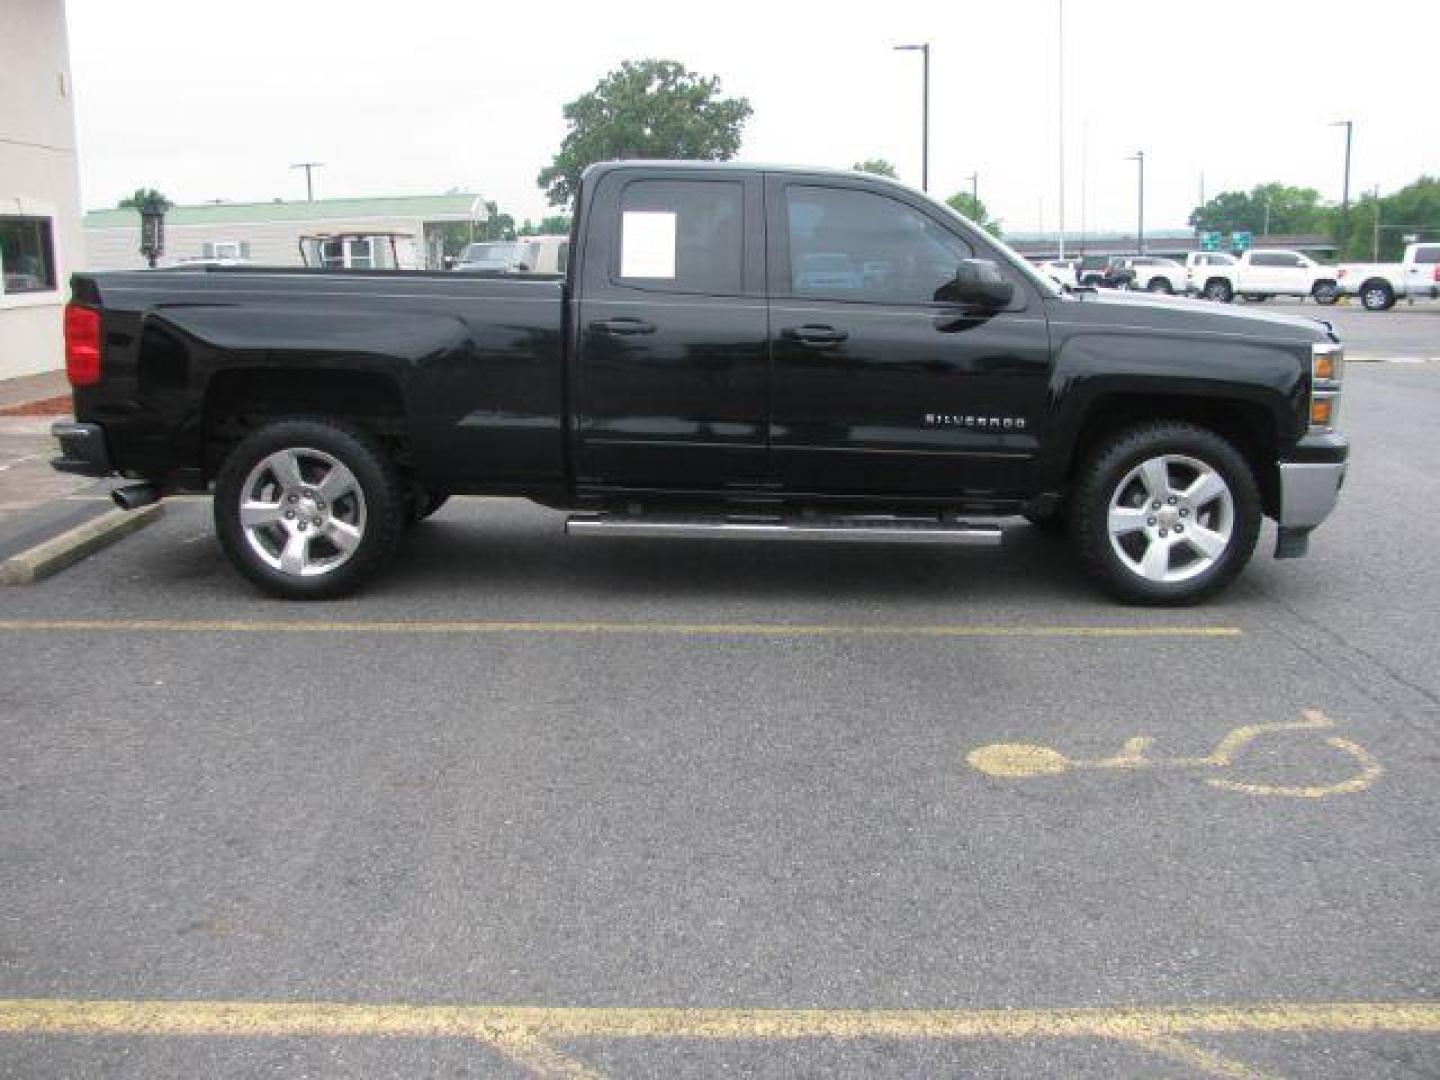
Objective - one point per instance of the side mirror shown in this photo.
(979, 282)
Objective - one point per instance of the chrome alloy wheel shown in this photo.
(1171, 518)
(303, 512)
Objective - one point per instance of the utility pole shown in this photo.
(924, 50)
(1266, 230)
(309, 167)
(974, 179)
(1139, 156)
(1349, 126)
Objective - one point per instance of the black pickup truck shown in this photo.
(735, 351)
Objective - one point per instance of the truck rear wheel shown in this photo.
(1165, 513)
(307, 509)
(1377, 296)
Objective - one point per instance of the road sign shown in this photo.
(1241, 241)
(1210, 241)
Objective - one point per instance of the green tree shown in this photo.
(141, 196)
(876, 166)
(1284, 208)
(1414, 210)
(553, 225)
(645, 109)
(965, 203)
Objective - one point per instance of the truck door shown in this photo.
(878, 386)
(671, 374)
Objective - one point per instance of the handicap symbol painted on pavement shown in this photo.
(1024, 760)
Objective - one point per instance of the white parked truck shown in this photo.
(1197, 264)
(1262, 273)
(1379, 285)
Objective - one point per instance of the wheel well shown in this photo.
(238, 401)
(1248, 426)
(1376, 281)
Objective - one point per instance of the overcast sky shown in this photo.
(206, 101)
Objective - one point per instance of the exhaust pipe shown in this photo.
(134, 496)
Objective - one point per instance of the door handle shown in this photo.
(814, 335)
(623, 325)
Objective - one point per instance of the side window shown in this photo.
(1426, 256)
(1266, 259)
(27, 255)
(684, 236)
(857, 245)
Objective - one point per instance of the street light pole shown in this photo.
(309, 167)
(974, 179)
(1060, 82)
(1349, 126)
(924, 50)
(1139, 156)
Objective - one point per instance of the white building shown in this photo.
(41, 241)
(403, 232)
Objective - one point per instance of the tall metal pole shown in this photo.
(1060, 82)
(975, 188)
(1375, 240)
(1349, 126)
(924, 50)
(925, 125)
(309, 167)
(1139, 156)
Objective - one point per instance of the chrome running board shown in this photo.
(862, 529)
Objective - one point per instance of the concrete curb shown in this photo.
(53, 555)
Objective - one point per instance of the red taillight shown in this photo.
(82, 345)
(1435, 274)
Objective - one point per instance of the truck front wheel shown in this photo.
(1218, 290)
(307, 509)
(1165, 513)
(1325, 292)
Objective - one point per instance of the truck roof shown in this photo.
(601, 167)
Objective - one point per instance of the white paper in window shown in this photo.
(647, 244)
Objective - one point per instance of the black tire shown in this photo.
(1159, 285)
(423, 503)
(1218, 290)
(372, 506)
(1325, 293)
(1108, 467)
(1377, 296)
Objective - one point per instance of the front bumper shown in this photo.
(82, 450)
(1310, 483)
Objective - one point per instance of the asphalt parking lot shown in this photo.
(537, 806)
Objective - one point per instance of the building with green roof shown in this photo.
(403, 231)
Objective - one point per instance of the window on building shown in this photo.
(27, 255)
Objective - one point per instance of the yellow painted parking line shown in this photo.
(527, 1033)
(295, 626)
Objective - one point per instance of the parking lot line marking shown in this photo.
(1012, 761)
(460, 627)
(1201, 1060)
(60, 1016)
(527, 1034)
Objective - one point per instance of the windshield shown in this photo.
(498, 255)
